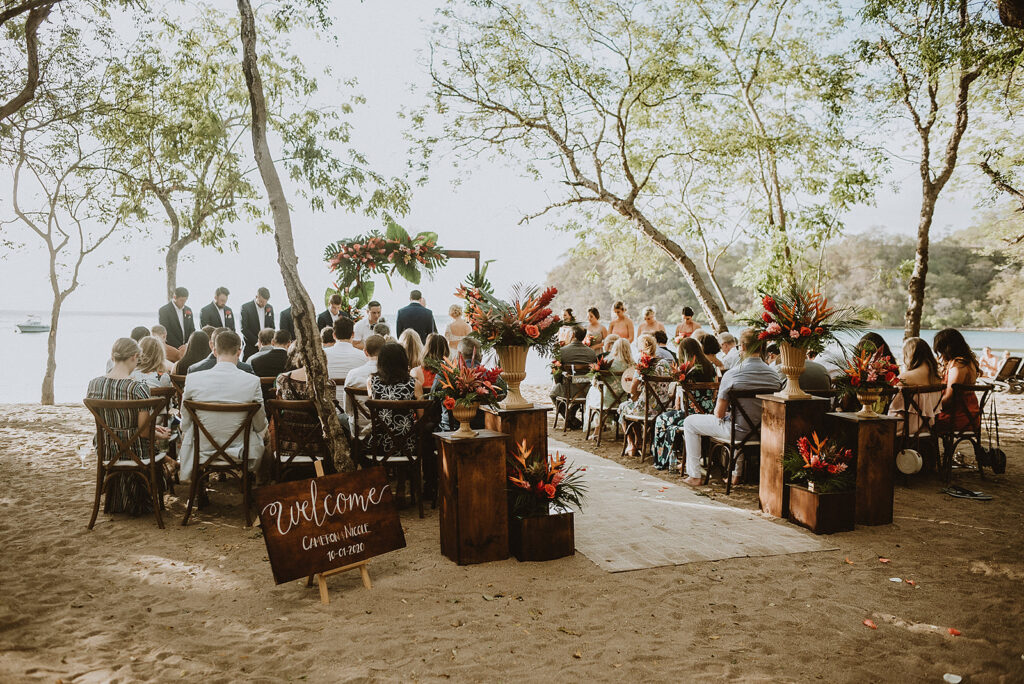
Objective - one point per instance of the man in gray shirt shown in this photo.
(751, 373)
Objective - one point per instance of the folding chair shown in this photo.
(296, 438)
(644, 423)
(606, 381)
(574, 379)
(220, 461)
(730, 450)
(115, 454)
(954, 436)
(406, 449)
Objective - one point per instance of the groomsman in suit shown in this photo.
(256, 315)
(211, 360)
(217, 313)
(177, 318)
(286, 321)
(415, 316)
(326, 319)
(271, 359)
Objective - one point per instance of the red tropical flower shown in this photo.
(449, 403)
(531, 331)
(766, 317)
(769, 304)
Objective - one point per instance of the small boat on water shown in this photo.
(33, 325)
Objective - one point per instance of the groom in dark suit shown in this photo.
(177, 318)
(286, 321)
(256, 315)
(415, 316)
(217, 313)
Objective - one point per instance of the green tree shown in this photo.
(20, 21)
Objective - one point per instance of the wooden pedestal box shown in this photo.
(524, 425)
(783, 422)
(873, 440)
(543, 537)
(822, 513)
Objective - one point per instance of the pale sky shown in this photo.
(380, 43)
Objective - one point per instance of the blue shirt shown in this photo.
(749, 374)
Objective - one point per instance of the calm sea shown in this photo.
(84, 341)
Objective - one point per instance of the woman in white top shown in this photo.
(621, 357)
(152, 368)
(458, 328)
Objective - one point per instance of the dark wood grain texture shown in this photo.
(523, 425)
(821, 513)
(542, 538)
(315, 525)
(783, 421)
(873, 441)
(473, 507)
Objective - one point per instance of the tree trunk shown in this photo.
(303, 313)
(171, 262)
(682, 260)
(36, 17)
(718, 288)
(47, 398)
(915, 289)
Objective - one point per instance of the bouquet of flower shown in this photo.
(525, 321)
(823, 465)
(348, 308)
(646, 364)
(603, 363)
(556, 370)
(680, 371)
(869, 370)
(536, 482)
(802, 318)
(461, 385)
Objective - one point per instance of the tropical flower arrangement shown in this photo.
(822, 464)
(460, 385)
(802, 318)
(680, 371)
(538, 482)
(354, 260)
(556, 370)
(525, 321)
(602, 364)
(869, 370)
(646, 364)
(349, 309)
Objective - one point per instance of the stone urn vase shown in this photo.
(868, 398)
(792, 365)
(464, 414)
(513, 368)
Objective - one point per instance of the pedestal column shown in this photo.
(783, 422)
(522, 425)
(873, 440)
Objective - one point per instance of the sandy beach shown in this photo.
(130, 602)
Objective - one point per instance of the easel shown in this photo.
(321, 577)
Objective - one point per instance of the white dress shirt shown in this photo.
(181, 317)
(223, 323)
(731, 358)
(341, 358)
(363, 329)
(358, 377)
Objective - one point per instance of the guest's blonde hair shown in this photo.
(152, 355)
(622, 351)
(648, 345)
(648, 310)
(410, 340)
(124, 349)
(609, 341)
(454, 310)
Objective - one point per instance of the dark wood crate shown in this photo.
(822, 513)
(542, 538)
(783, 422)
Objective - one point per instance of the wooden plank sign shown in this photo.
(311, 526)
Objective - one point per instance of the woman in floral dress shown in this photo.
(669, 424)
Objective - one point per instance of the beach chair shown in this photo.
(116, 456)
(220, 461)
(296, 439)
(642, 424)
(1010, 376)
(406, 450)
(953, 436)
(606, 384)
(728, 451)
(574, 381)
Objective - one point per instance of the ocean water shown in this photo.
(84, 341)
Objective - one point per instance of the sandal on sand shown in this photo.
(962, 493)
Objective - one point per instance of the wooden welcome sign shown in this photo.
(331, 522)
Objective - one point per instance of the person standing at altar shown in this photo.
(415, 316)
(364, 326)
(256, 315)
(327, 318)
(177, 319)
(286, 322)
(217, 313)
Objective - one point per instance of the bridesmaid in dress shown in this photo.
(621, 324)
(595, 331)
(650, 324)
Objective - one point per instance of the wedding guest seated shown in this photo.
(621, 359)
(730, 351)
(327, 337)
(872, 342)
(607, 345)
(458, 327)
(359, 376)
(669, 425)
(138, 333)
(650, 324)
(434, 352)
(814, 376)
(710, 346)
(919, 370)
(413, 345)
(751, 373)
(225, 383)
(988, 362)
(392, 382)
(620, 325)
(125, 493)
(293, 384)
(959, 367)
(771, 356)
(688, 326)
(196, 349)
(595, 331)
(574, 353)
(471, 353)
(208, 329)
(634, 404)
(384, 330)
(568, 323)
(662, 352)
(211, 360)
(171, 354)
(343, 356)
(152, 369)
(272, 358)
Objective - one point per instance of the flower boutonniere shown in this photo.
(227, 313)
(187, 313)
(267, 309)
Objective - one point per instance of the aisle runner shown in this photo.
(629, 523)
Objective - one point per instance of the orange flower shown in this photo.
(449, 403)
(531, 331)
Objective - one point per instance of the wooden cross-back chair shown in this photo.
(642, 424)
(687, 392)
(406, 451)
(358, 416)
(573, 380)
(178, 383)
(116, 455)
(267, 387)
(915, 428)
(220, 461)
(163, 418)
(731, 449)
(296, 438)
(953, 436)
(607, 382)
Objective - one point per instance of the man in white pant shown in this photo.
(751, 373)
